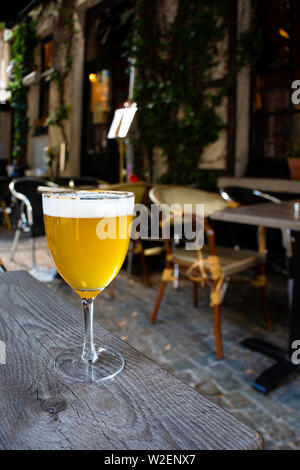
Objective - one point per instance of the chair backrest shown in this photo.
(83, 181)
(246, 196)
(170, 194)
(140, 189)
(63, 180)
(25, 190)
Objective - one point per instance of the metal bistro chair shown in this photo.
(31, 220)
(211, 265)
(5, 203)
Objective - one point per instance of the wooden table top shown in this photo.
(267, 214)
(144, 407)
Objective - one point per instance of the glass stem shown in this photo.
(89, 353)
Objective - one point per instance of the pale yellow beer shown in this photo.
(87, 261)
(88, 238)
(88, 235)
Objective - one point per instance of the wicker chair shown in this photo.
(86, 181)
(140, 190)
(2, 267)
(213, 266)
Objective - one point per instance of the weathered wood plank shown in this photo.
(142, 408)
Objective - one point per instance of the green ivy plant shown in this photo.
(175, 87)
(63, 33)
(23, 46)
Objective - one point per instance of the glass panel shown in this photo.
(296, 76)
(296, 42)
(275, 126)
(273, 91)
(296, 10)
(47, 56)
(276, 135)
(121, 82)
(295, 137)
(44, 99)
(107, 28)
(276, 47)
(99, 104)
(278, 11)
(99, 108)
(93, 47)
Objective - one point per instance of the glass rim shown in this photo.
(88, 194)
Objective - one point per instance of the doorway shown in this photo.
(106, 85)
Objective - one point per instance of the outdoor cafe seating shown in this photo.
(30, 218)
(2, 267)
(5, 201)
(136, 247)
(213, 265)
(83, 181)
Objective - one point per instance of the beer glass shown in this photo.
(88, 235)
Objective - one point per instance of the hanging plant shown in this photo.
(25, 40)
(175, 88)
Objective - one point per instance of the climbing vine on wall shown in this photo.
(63, 34)
(23, 46)
(176, 88)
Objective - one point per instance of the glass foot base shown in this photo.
(69, 364)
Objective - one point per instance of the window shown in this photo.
(275, 122)
(46, 55)
(46, 64)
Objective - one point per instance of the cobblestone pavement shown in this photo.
(182, 340)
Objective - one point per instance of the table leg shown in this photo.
(294, 331)
(283, 367)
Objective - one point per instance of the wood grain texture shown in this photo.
(144, 407)
(267, 215)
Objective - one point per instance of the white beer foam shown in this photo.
(88, 205)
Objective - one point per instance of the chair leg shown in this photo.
(195, 294)
(2, 267)
(7, 220)
(158, 300)
(215, 302)
(112, 288)
(14, 244)
(145, 270)
(129, 257)
(217, 326)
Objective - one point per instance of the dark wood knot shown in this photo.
(54, 405)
